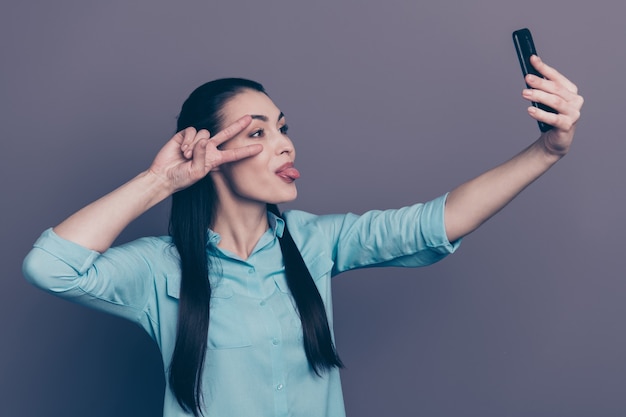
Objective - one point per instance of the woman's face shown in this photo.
(268, 177)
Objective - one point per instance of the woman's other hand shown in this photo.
(562, 95)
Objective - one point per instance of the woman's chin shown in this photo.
(287, 198)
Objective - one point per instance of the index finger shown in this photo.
(552, 74)
(231, 131)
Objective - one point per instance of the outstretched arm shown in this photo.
(472, 203)
(185, 159)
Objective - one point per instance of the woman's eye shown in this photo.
(257, 133)
(284, 129)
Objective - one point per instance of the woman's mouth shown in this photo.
(287, 172)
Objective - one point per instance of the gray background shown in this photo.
(389, 103)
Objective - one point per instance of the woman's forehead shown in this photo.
(249, 102)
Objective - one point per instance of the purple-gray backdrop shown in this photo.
(389, 102)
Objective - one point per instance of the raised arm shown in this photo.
(475, 201)
(186, 158)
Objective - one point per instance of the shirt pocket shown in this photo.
(227, 326)
(172, 284)
(319, 268)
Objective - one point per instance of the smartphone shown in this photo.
(525, 47)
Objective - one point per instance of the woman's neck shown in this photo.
(240, 225)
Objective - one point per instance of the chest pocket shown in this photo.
(319, 268)
(228, 328)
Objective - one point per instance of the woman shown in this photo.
(238, 297)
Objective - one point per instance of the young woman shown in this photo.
(238, 297)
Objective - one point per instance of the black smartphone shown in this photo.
(525, 47)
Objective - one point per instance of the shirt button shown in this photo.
(262, 303)
(275, 341)
(279, 387)
(251, 271)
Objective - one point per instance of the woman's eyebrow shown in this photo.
(265, 118)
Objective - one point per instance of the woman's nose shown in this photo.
(285, 146)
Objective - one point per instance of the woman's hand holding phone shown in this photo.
(559, 93)
(555, 102)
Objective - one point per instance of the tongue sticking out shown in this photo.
(290, 173)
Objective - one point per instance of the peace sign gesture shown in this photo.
(190, 155)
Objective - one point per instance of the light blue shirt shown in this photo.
(255, 363)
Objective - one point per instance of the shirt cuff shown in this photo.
(433, 226)
(74, 255)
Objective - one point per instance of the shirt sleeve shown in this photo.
(117, 281)
(411, 236)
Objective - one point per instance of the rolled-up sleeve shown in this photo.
(116, 281)
(411, 236)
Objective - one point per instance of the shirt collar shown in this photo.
(277, 226)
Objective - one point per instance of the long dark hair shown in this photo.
(193, 212)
